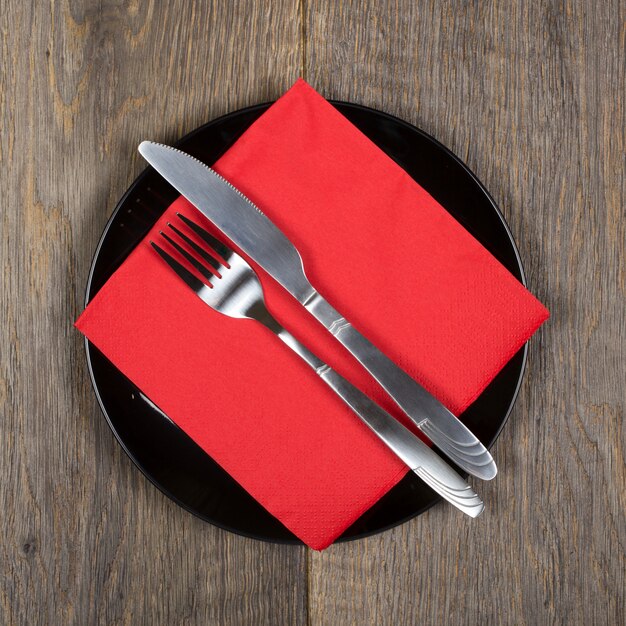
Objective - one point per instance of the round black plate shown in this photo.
(170, 459)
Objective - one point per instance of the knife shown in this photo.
(246, 226)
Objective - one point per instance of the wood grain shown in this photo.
(85, 539)
(530, 95)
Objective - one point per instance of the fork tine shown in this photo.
(192, 259)
(224, 251)
(192, 244)
(195, 283)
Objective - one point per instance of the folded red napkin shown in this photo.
(383, 252)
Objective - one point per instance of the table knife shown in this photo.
(254, 233)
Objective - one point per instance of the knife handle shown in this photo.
(423, 461)
(443, 428)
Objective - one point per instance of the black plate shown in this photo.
(170, 459)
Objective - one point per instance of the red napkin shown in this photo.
(383, 252)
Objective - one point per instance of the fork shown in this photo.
(231, 287)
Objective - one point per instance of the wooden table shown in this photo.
(530, 94)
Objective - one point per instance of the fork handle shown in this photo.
(427, 413)
(428, 465)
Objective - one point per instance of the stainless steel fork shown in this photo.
(232, 287)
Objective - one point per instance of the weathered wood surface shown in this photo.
(530, 95)
(85, 538)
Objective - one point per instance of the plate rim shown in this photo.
(185, 138)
